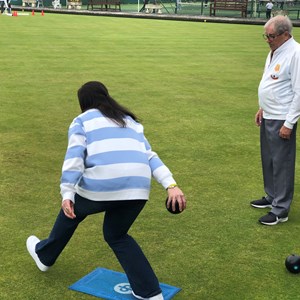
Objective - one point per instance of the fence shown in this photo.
(256, 8)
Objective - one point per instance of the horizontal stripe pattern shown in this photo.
(117, 170)
(107, 162)
(116, 157)
(113, 133)
(114, 184)
(131, 194)
(115, 145)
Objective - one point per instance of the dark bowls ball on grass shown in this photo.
(292, 263)
(176, 211)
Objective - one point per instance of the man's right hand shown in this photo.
(259, 117)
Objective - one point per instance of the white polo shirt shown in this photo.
(269, 5)
(279, 89)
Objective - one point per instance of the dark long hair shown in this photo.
(94, 94)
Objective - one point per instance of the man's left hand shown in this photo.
(285, 133)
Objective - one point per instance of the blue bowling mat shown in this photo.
(112, 285)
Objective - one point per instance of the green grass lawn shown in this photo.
(194, 86)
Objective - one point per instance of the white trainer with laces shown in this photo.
(31, 243)
(157, 297)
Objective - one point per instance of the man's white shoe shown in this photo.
(157, 297)
(31, 243)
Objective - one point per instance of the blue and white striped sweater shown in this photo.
(107, 162)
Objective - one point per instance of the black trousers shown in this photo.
(119, 216)
(3, 8)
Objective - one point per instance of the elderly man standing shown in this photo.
(279, 101)
(269, 7)
(5, 5)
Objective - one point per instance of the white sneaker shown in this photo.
(31, 243)
(157, 297)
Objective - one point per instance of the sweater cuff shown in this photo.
(68, 196)
(167, 182)
(288, 125)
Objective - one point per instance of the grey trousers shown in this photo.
(278, 163)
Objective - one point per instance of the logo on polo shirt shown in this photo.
(276, 70)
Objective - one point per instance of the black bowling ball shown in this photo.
(176, 211)
(292, 263)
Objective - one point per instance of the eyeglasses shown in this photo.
(271, 36)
